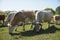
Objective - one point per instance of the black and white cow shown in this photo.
(42, 16)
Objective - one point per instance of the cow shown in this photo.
(2, 17)
(56, 19)
(21, 16)
(41, 17)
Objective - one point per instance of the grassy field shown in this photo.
(51, 33)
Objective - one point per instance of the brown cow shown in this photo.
(2, 17)
(21, 16)
(56, 18)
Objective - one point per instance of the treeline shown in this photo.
(56, 11)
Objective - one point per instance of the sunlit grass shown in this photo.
(28, 35)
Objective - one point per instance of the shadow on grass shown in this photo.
(51, 29)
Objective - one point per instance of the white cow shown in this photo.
(42, 16)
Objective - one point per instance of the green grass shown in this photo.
(52, 33)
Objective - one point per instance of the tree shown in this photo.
(58, 10)
(50, 9)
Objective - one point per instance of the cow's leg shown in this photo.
(57, 21)
(16, 28)
(36, 28)
(23, 26)
(40, 25)
(49, 24)
(3, 21)
(31, 26)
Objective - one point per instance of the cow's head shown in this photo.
(37, 26)
(9, 17)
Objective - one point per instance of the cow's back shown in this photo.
(44, 16)
(29, 14)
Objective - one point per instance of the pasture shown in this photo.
(51, 33)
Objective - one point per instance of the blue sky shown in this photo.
(28, 4)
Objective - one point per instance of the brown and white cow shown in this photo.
(56, 19)
(21, 16)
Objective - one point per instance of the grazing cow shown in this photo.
(21, 16)
(2, 17)
(42, 16)
(56, 18)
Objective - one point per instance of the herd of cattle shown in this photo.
(37, 18)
